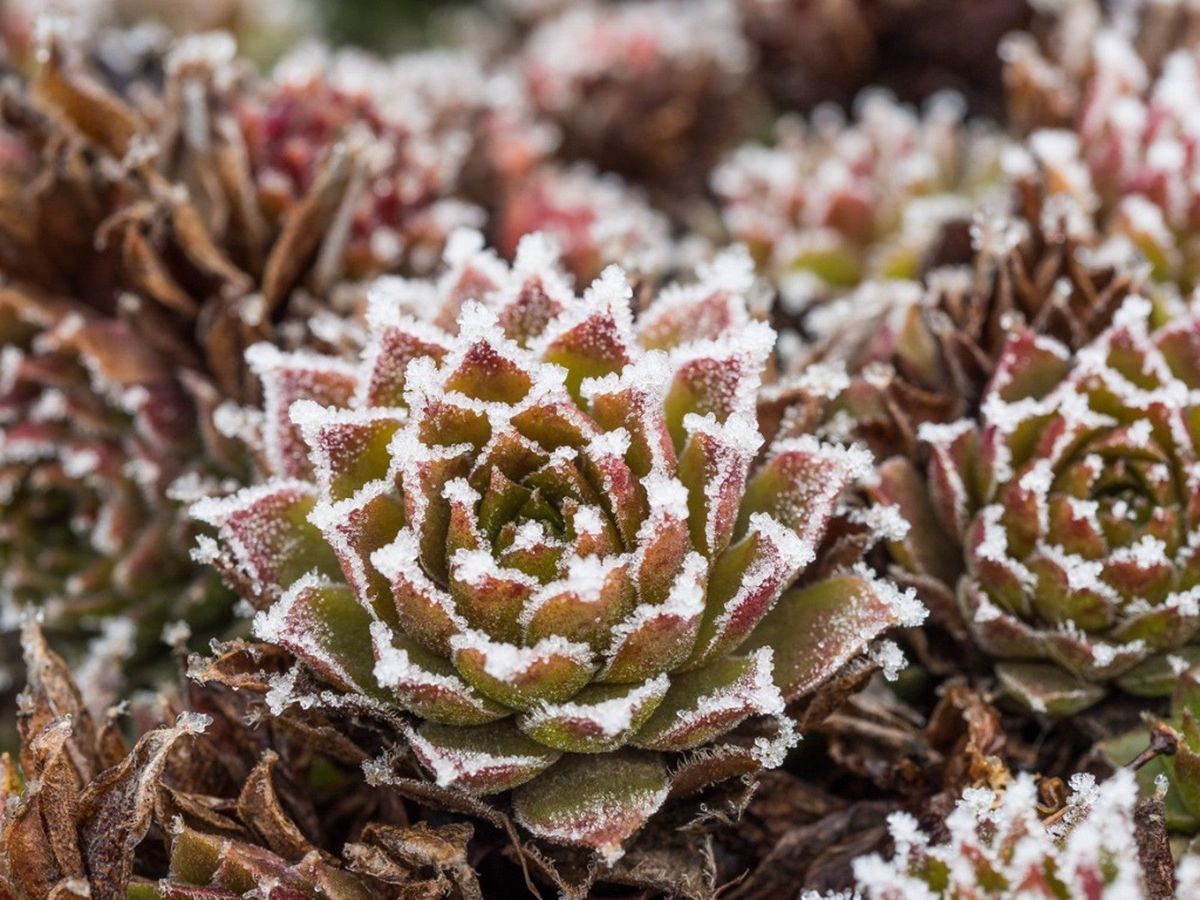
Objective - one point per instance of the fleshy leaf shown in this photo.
(594, 801)
(705, 703)
(599, 719)
(843, 614)
(485, 759)
(1046, 688)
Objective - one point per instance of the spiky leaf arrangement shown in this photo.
(408, 129)
(838, 201)
(1073, 499)
(98, 433)
(541, 531)
(1000, 846)
(656, 90)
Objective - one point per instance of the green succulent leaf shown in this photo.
(594, 801)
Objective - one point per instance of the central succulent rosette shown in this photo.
(546, 532)
(1074, 497)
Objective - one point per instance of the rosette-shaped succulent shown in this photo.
(545, 533)
(406, 129)
(836, 202)
(656, 90)
(1123, 137)
(1002, 845)
(1073, 497)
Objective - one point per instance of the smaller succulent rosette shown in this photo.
(96, 432)
(545, 532)
(1074, 500)
(836, 201)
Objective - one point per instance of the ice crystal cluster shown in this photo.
(1000, 846)
(1073, 500)
(545, 531)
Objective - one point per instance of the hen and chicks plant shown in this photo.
(551, 534)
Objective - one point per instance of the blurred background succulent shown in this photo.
(838, 201)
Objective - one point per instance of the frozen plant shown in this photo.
(1065, 517)
(837, 201)
(546, 534)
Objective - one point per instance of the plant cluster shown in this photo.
(645, 448)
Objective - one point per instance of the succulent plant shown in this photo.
(1114, 108)
(1072, 500)
(655, 90)
(540, 531)
(407, 128)
(835, 202)
(97, 433)
(1000, 845)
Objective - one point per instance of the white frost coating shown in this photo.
(1081, 574)
(1147, 553)
(685, 602)
(906, 609)
(890, 659)
(395, 669)
(508, 663)
(612, 717)
(452, 766)
(613, 443)
(753, 693)
(855, 460)
(216, 511)
(943, 435)
(737, 440)
(749, 346)
(994, 546)
(666, 496)
(1001, 836)
(784, 555)
(478, 567)
(885, 521)
(585, 582)
(587, 521)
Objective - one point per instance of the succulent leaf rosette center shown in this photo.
(1075, 499)
(540, 529)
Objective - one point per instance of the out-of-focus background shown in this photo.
(817, 50)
